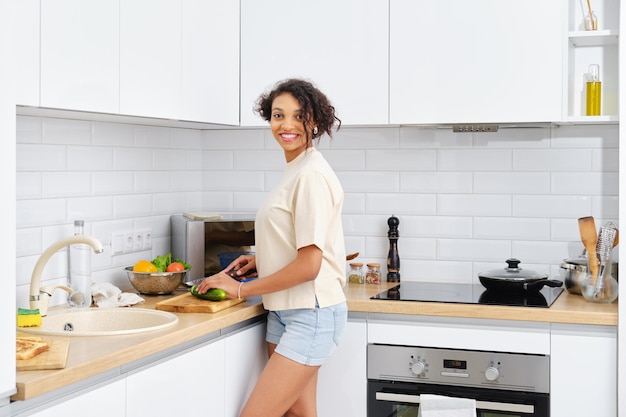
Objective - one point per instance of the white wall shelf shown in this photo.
(594, 38)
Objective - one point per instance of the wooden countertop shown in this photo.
(92, 356)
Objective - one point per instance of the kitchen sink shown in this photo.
(102, 322)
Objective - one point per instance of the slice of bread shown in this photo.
(27, 349)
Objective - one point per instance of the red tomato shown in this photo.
(175, 267)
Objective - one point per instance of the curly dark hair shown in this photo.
(316, 107)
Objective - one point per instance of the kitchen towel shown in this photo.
(442, 406)
(107, 295)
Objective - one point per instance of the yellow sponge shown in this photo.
(28, 318)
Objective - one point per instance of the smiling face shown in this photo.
(287, 123)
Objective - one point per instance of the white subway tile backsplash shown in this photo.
(368, 181)
(401, 160)
(133, 159)
(363, 138)
(89, 158)
(474, 205)
(28, 129)
(152, 137)
(260, 160)
(65, 131)
(466, 201)
(90, 208)
(473, 249)
(112, 182)
(585, 183)
(144, 182)
(512, 138)
(474, 160)
(37, 213)
(511, 228)
(415, 204)
(232, 181)
(551, 160)
(28, 185)
(436, 226)
(433, 138)
(551, 206)
(112, 134)
(354, 203)
(605, 160)
(217, 160)
(436, 182)
(244, 139)
(41, 158)
(132, 205)
(512, 182)
(66, 184)
(170, 159)
(586, 136)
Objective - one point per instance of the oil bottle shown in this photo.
(593, 90)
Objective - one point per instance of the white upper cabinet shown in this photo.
(341, 46)
(476, 62)
(80, 55)
(210, 61)
(27, 52)
(150, 56)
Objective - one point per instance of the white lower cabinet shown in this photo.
(583, 370)
(107, 401)
(245, 357)
(191, 384)
(342, 381)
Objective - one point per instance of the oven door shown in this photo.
(401, 399)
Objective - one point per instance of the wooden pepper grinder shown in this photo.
(393, 259)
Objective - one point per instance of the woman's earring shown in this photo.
(315, 130)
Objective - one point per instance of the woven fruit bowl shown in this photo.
(155, 283)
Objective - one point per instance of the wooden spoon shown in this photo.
(589, 237)
(616, 238)
(352, 256)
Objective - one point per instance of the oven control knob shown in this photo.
(418, 367)
(492, 373)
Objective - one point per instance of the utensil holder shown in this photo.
(603, 288)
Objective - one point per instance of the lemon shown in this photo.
(144, 266)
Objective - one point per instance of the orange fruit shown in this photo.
(144, 266)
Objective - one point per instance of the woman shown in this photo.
(300, 256)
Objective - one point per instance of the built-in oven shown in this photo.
(503, 384)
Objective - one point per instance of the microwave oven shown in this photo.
(198, 242)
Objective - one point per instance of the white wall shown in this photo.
(466, 202)
(7, 179)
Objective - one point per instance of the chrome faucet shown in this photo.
(40, 296)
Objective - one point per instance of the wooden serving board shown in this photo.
(53, 358)
(187, 303)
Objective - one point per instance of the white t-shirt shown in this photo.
(303, 210)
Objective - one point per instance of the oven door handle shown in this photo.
(482, 405)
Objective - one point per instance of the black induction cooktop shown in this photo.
(468, 294)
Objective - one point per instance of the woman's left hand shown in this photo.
(220, 280)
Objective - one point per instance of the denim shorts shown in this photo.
(307, 336)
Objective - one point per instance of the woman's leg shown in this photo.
(285, 387)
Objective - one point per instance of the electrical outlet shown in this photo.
(147, 239)
(138, 241)
(129, 242)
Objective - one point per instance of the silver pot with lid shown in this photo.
(576, 272)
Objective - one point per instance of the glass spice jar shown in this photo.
(372, 276)
(355, 274)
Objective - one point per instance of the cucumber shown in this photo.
(214, 294)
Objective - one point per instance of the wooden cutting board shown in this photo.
(187, 303)
(53, 358)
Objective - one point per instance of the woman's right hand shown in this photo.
(244, 265)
